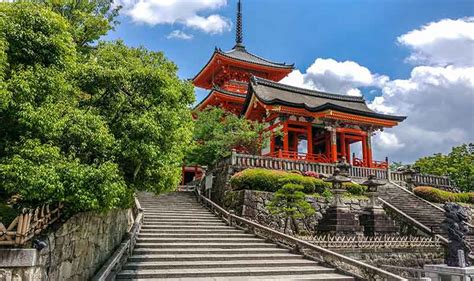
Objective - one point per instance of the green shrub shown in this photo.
(436, 195)
(355, 189)
(7, 214)
(272, 180)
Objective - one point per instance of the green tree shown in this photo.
(217, 132)
(289, 202)
(85, 128)
(458, 165)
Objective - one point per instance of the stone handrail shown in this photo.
(124, 250)
(29, 223)
(346, 264)
(412, 221)
(255, 161)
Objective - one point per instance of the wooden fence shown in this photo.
(376, 242)
(29, 223)
(242, 161)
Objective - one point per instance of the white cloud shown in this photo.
(442, 43)
(178, 34)
(185, 12)
(335, 77)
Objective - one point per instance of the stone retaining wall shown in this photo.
(252, 204)
(74, 251)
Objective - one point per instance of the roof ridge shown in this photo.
(243, 49)
(310, 92)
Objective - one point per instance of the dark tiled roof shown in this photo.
(222, 91)
(240, 53)
(270, 92)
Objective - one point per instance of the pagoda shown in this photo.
(227, 73)
(305, 125)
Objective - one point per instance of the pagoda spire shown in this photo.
(238, 29)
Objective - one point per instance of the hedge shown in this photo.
(273, 180)
(436, 195)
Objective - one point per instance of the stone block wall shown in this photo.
(252, 204)
(74, 251)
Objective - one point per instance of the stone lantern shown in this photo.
(374, 218)
(409, 171)
(373, 184)
(338, 218)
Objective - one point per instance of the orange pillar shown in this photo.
(333, 145)
(343, 145)
(364, 151)
(369, 150)
(285, 136)
(309, 138)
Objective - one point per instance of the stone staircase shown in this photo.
(418, 209)
(181, 240)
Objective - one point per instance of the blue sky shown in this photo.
(390, 49)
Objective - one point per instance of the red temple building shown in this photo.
(305, 124)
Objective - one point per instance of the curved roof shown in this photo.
(240, 53)
(220, 91)
(273, 93)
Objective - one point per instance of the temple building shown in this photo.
(305, 125)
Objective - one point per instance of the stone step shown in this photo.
(220, 264)
(194, 235)
(205, 245)
(316, 277)
(176, 213)
(213, 257)
(162, 227)
(200, 240)
(222, 231)
(222, 272)
(184, 219)
(183, 223)
(208, 251)
(178, 216)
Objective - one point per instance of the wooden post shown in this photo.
(343, 145)
(364, 152)
(286, 136)
(333, 146)
(348, 151)
(310, 139)
(369, 150)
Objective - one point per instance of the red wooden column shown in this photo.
(348, 150)
(343, 144)
(285, 136)
(333, 145)
(364, 151)
(309, 138)
(369, 150)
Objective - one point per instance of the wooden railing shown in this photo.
(375, 242)
(375, 164)
(124, 250)
(295, 155)
(341, 262)
(29, 223)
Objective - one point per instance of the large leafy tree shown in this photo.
(458, 165)
(80, 125)
(217, 132)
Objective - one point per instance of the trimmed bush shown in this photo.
(436, 195)
(272, 180)
(355, 189)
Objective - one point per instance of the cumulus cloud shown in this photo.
(178, 34)
(444, 42)
(185, 12)
(336, 77)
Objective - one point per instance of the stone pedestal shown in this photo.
(442, 272)
(375, 222)
(339, 220)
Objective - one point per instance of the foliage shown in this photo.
(290, 203)
(395, 165)
(436, 195)
(273, 180)
(85, 128)
(458, 165)
(7, 214)
(88, 20)
(217, 132)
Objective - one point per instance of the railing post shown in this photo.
(231, 217)
(233, 157)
